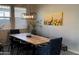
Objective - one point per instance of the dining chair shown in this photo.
(25, 48)
(14, 42)
(42, 49)
(14, 31)
(1, 47)
(21, 46)
(55, 46)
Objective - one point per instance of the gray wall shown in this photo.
(70, 28)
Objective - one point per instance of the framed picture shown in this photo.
(55, 19)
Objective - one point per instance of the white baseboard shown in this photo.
(76, 52)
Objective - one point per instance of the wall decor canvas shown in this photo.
(55, 19)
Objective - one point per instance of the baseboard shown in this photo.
(76, 52)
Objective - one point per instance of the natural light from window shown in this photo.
(20, 22)
(5, 17)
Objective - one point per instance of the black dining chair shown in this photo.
(20, 46)
(14, 42)
(42, 49)
(25, 48)
(55, 46)
(1, 47)
(14, 31)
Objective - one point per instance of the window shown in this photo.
(5, 17)
(20, 22)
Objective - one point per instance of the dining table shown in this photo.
(35, 40)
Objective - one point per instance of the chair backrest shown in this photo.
(43, 50)
(55, 46)
(14, 31)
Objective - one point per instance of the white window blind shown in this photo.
(20, 22)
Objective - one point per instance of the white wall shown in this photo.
(70, 28)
